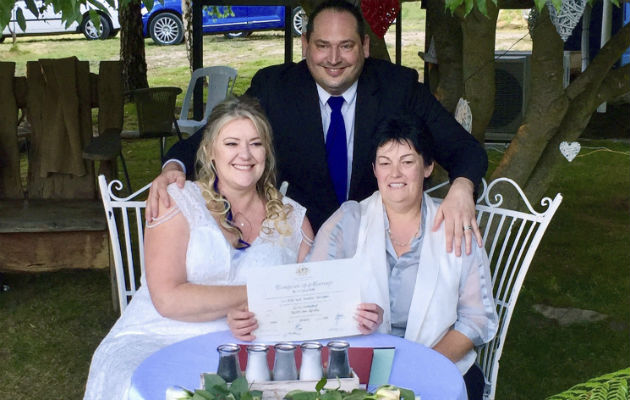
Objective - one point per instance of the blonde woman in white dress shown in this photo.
(200, 247)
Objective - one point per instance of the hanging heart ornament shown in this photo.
(568, 17)
(463, 114)
(380, 14)
(570, 150)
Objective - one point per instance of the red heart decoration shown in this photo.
(380, 14)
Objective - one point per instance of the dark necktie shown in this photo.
(336, 149)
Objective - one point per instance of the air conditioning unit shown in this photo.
(512, 71)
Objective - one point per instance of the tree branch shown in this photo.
(601, 64)
(617, 83)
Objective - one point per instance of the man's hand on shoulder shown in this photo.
(171, 173)
(457, 211)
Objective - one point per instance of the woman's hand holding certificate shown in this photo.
(308, 301)
(242, 323)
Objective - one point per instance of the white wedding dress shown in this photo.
(210, 260)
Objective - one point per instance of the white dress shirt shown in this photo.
(347, 110)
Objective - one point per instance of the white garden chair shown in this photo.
(511, 238)
(125, 220)
(220, 84)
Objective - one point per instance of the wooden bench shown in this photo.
(46, 235)
(54, 219)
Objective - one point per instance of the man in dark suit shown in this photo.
(295, 96)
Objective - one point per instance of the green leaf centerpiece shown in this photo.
(215, 388)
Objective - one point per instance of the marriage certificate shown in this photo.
(297, 302)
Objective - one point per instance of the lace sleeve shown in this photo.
(191, 203)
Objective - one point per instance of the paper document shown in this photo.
(297, 302)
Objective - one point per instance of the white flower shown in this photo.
(178, 393)
(387, 392)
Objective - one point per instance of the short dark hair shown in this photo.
(339, 6)
(404, 129)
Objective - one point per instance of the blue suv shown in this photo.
(164, 22)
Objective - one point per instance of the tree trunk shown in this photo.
(479, 32)
(134, 65)
(554, 114)
(378, 48)
(446, 77)
(188, 30)
(600, 84)
(546, 107)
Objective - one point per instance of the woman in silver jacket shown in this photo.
(418, 291)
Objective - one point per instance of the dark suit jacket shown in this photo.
(289, 96)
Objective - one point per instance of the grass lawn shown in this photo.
(582, 262)
(52, 322)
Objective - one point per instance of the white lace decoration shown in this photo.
(568, 17)
(463, 114)
(160, 220)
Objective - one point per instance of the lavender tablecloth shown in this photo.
(425, 371)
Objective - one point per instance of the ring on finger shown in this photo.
(467, 227)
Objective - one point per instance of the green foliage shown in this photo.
(218, 12)
(613, 386)
(30, 4)
(19, 16)
(215, 388)
(71, 10)
(149, 4)
(453, 5)
(385, 392)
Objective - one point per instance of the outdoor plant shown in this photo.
(385, 392)
(215, 388)
(611, 386)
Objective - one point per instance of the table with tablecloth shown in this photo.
(428, 373)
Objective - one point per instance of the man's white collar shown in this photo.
(348, 95)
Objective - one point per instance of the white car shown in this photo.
(48, 22)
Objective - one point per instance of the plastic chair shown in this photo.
(220, 84)
(125, 220)
(511, 238)
(106, 148)
(155, 108)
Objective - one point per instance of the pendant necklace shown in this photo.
(399, 244)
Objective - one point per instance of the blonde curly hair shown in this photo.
(276, 212)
